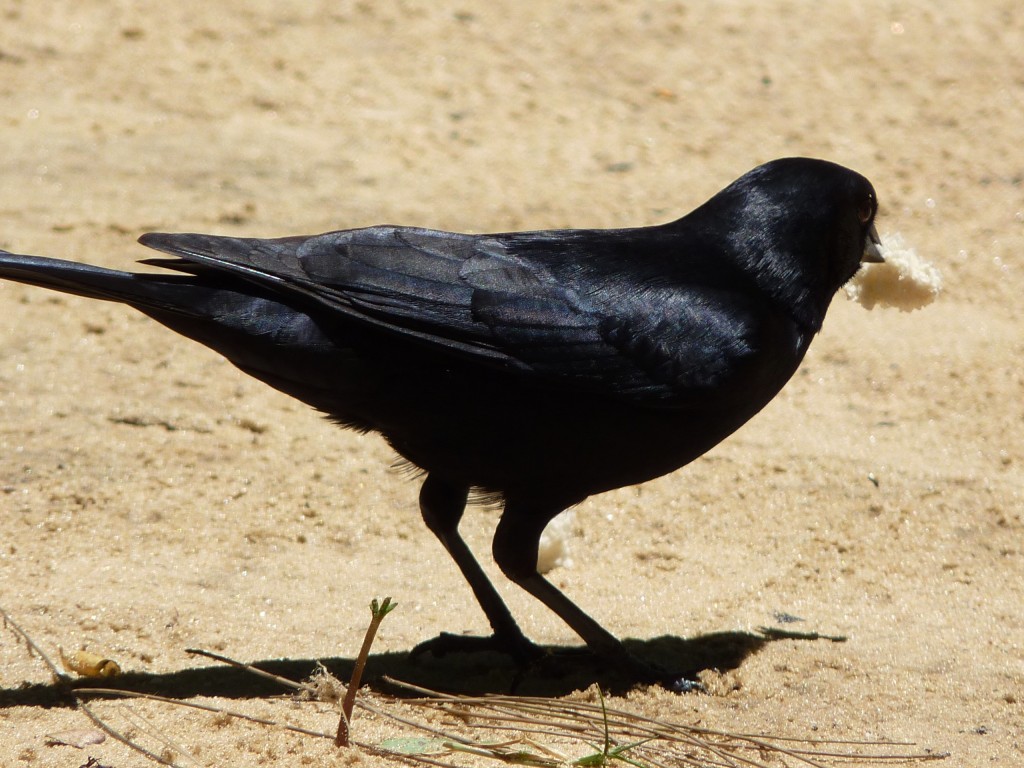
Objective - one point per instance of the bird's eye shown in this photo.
(866, 209)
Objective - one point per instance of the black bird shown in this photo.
(532, 369)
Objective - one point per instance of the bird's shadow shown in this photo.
(562, 671)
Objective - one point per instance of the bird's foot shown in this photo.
(653, 674)
(522, 650)
(682, 684)
(528, 655)
(670, 681)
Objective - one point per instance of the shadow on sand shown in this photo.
(563, 670)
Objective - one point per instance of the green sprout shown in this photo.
(608, 752)
(378, 611)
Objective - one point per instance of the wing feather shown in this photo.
(488, 299)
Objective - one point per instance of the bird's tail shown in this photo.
(141, 290)
(251, 326)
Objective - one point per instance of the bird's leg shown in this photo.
(516, 543)
(441, 506)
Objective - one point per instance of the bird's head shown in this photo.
(801, 227)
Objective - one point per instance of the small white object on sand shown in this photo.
(554, 543)
(905, 280)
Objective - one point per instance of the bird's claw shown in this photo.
(653, 674)
(683, 684)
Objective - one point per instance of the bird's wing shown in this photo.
(481, 298)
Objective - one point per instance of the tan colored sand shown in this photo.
(154, 499)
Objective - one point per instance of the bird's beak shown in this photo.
(872, 253)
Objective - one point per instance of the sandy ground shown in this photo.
(154, 499)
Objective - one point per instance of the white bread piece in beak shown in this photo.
(904, 280)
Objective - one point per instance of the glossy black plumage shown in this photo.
(536, 367)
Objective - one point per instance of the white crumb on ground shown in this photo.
(554, 543)
(905, 280)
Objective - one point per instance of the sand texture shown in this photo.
(153, 498)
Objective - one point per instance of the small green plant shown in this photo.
(378, 611)
(608, 753)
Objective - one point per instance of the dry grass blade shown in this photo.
(31, 645)
(116, 734)
(209, 708)
(283, 681)
(651, 740)
(83, 706)
(510, 729)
